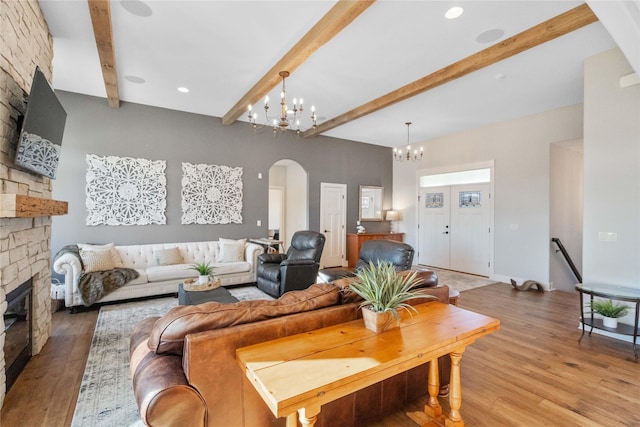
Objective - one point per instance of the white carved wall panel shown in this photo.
(211, 194)
(125, 191)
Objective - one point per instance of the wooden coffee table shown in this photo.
(333, 362)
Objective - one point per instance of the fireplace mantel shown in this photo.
(19, 206)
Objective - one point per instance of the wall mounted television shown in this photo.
(40, 140)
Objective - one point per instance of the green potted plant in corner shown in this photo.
(384, 292)
(609, 311)
(204, 270)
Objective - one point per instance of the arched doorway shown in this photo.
(288, 199)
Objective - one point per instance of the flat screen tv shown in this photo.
(40, 140)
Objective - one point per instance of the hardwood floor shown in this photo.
(45, 393)
(533, 372)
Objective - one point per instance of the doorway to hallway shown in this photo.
(455, 222)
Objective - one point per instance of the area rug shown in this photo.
(461, 281)
(106, 393)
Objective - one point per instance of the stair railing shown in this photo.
(561, 248)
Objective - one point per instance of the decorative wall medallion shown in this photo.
(125, 191)
(470, 199)
(38, 154)
(211, 194)
(434, 200)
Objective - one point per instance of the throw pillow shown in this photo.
(95, 260)
(117, 261)
(168, 256)
(231, 252)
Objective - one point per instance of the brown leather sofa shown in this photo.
(185, 373)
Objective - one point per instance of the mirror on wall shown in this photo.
(370, 203)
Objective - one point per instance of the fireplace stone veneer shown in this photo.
(24, 242)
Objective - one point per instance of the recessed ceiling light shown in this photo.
(490, 36)
(454, 12)
(183, 89)
(134, 79)
(136, 7)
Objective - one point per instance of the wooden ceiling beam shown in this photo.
(555, 27)
(100, 11)
(334, 21)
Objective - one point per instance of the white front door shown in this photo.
(333, 213)
(470, 222)
(454, 228)
(433, 249)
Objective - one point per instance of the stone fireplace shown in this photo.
(18, 331)
(25, 218)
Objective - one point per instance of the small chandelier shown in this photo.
(397, 152)
(289, 118)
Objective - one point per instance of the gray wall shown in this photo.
(140, 131)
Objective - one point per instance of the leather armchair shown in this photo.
(295, 270)
(398, 253)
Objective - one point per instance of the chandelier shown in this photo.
(289, 118)
(399, 156)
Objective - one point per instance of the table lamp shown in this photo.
(392, 216)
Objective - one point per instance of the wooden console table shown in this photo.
(613, 292)
(355, 241)
(333, 362)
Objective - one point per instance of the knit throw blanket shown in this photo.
(97, 284)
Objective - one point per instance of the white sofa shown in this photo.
(158, 279)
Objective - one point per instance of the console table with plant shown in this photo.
(609, 309)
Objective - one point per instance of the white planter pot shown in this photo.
(610, 322)
(203, 280)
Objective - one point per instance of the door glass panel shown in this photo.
(470, 199)
(434, 200)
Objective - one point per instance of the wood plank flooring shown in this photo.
(533, 372)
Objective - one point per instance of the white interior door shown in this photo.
(276, 210)
(333, 213)
(434, 211)
(470, 228)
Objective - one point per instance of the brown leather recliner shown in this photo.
(185, 373)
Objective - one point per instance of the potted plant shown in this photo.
(204, 270)
(384, 292)
(609, 311)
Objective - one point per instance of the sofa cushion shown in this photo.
(141, 279)
(168, 256)
(170, 272)
(167, 335)
(230, 267)
(117, 261)
(231, 251)
(95, 260)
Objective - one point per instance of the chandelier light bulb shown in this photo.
(266, 100)
(249, 108)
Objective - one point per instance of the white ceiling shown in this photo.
(219, 50)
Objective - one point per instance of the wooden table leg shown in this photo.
(292, 420)
(433, 408)
(308, 416)
(455, 395)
